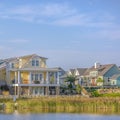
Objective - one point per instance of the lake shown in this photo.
(56, 116)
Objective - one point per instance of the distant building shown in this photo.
(97, 75)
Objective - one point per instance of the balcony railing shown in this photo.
(34, 82)
(43, 82)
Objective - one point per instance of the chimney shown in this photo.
(96, 65)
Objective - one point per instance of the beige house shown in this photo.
(29, 75)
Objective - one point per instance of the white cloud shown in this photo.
(61, 14)
(37, 12)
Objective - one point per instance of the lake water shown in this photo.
(56, 116)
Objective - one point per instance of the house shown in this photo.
(29, 75)
(79, 73)
(115, 80)
(99, 75)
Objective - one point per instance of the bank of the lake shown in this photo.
(63, 103)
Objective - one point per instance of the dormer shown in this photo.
(35, 62)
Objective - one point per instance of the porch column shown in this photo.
(46, 90)
(15, 77)
(18, 81)
(19, 90)
(47, 78)
(18, 77)
(30, 80)
(58, 79)
(57, 90)
(29, 91)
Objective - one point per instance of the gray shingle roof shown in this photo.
(102, 69)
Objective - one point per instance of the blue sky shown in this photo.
(70, 33)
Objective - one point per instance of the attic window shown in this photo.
(35, 62)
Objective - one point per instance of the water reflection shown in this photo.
(80, 110)
(57, 116)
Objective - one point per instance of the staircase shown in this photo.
(85, 93)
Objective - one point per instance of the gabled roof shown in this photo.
(102, 69)
(15, 58)
(72, 71)
(3, 61)
(33, 55)
(81, 71)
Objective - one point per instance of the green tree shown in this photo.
(71, 82)
(78, 88)
(99, 80)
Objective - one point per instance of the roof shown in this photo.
(114, 77)
(102, 69)
(81, 71)
(72, 71)
(15, 58)
(3, 61)
(37, 69)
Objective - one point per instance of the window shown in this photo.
(36, 76)
(12, 65)
(40, 76)
(35, 62)
(32, 76)
(56, 74)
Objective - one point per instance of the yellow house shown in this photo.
(29, 75)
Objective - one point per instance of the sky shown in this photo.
(70, 33)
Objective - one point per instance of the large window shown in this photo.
(36, 76)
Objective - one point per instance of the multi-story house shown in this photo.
(29, 75)
(100, 75)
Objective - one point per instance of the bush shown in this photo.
(95, 94)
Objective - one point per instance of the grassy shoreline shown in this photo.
(63, 104)
(59, 102)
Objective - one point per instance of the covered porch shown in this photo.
(35, 90)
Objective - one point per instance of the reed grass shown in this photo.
(64, 103)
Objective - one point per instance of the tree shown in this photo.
(71, 82)
(99, 81)
(78, 89)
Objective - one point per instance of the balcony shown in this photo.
(37, 83)
(43, 82)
